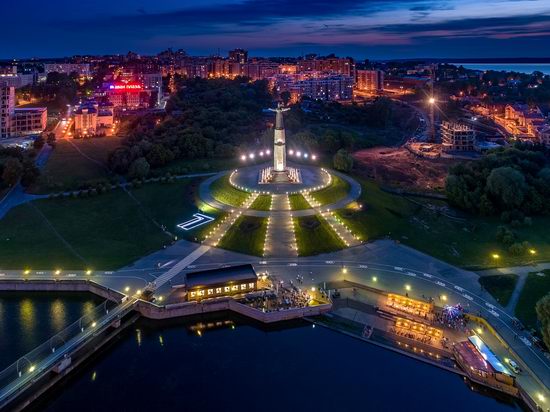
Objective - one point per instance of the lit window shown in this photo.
(251, 285)
(193, 294)
(243, 286)
(200, 293)
(210, 291)
(218, 290)
(227, 289)
(235, 288)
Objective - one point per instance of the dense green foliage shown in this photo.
(508, 182)
(206, 119)
(17, 164)
(343, 161)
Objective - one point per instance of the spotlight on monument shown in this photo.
(243, 157)
(291, 152)
(306, 155)
(262, 154)
(299, 154)
(268, 152)
(313, 157)
(251, 155)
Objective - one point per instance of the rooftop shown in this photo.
(222, 275)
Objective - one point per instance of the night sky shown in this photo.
(374, 28)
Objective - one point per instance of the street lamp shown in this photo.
(374, 279)
(408, 288)
(431, 100)
(495, 256)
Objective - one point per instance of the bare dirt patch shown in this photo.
(397, 167)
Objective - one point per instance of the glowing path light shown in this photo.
(198, 220)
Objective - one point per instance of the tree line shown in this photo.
(205, 119)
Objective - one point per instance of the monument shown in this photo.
(280, 172)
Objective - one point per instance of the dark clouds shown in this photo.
(365, 28)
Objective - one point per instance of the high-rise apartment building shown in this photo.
(7, 109)
(370, 80)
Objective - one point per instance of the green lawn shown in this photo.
(468, 243)
(337, 190)
(500, 286)
(247, 235)
(298, 202)
(172, 203)
(262, 202)
(68, 168)
(535, 288)
(315, 236)
(223, 192)
(186, 166)
(103, 232)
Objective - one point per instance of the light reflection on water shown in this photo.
(29, 319)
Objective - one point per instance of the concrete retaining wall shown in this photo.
(152, 311)
(60, 286)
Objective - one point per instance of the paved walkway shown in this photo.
(280, 240)
(206, 196)
(280, 202)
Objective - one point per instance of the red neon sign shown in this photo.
(124, 86)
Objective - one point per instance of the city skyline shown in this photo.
(357, 28)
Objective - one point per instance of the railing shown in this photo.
(31, 367)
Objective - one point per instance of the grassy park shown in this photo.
(76, 162)
(337, 190)
(107, 231)
(469, 242)
(262, 202)
(536, 286)
(500, 287)
(298, 202)
(315, 236)
(223, 192)
(247, 235)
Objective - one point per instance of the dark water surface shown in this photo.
(233, 365)
(29, 319)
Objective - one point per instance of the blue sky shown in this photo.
(363, 29)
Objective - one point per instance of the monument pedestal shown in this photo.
(289, 175)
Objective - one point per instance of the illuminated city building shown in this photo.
(238, 55)
(29, 121)
(370, 80)
(7, 108)
(82, 69)
(228, 281)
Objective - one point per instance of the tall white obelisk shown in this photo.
(279, 141)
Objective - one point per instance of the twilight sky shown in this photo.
(359, 28)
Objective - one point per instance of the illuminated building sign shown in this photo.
(125, 86)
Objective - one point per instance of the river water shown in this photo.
(509, 67)
(232, 365)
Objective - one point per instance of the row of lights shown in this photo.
(56, 272)
(305, 155)
(252, 155)
(496, 256)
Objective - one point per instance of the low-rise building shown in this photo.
(228, 281)
(482, 366)
(28, 121)
(91, 119)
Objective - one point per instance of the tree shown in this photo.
(343, 161)
(508, 186)
(12, 171)
(139, 168)
(543, 315)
